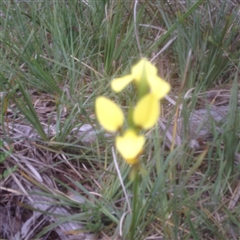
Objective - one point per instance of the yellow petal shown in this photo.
(158, 86)
(118, 84)
(146, 112)
(130, 145)
(109, 114)
(142, 69)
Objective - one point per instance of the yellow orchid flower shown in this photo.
(143, 73)
(109, 114)
(146, 112)
(130, 145)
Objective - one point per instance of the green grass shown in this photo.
(65, 53)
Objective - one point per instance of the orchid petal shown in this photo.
(143, 68)
(146, 112)
(109, 114)
(158, 86)
(130, 145)
(118, 84)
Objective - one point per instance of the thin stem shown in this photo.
(135, 204)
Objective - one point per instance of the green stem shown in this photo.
(135, 204)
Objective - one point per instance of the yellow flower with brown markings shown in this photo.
(144, 116)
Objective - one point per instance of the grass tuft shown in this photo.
(57, 163)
